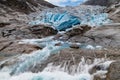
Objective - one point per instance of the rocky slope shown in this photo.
(101, 2)
(14, 27)
(14, 22)
(26, 6)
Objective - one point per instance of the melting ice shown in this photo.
(62, 19)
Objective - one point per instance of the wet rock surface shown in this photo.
(74, 55)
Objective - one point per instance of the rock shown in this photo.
(4, 24)
(78, 30)
(75, 46)
(42, 30)
(58, 44)
(98, 78)
(74, 57)
(26, 6)
(5, 45)
(57, 36)
(15, 31)
(11, 47)
(114, 71)
(106, 36)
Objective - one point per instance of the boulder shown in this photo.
(77, 30)
(42, 30)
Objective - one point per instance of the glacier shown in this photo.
(64, 18)
(63, 21)
(60, 21)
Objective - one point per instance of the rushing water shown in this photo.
(20, 70)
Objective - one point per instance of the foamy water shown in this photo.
(51, 72)
(20, 70)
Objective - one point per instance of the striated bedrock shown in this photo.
(26, 6)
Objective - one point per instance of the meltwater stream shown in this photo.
(20, 70)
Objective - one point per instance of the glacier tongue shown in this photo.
(64, 18)
(60, 21)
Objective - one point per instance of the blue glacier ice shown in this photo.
(59, 21)
(63, 21)
(95, 19)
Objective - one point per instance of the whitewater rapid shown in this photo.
(20, 70)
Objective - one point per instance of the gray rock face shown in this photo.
(106, 36)
(114, 71)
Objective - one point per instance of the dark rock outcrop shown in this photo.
(42, 30)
